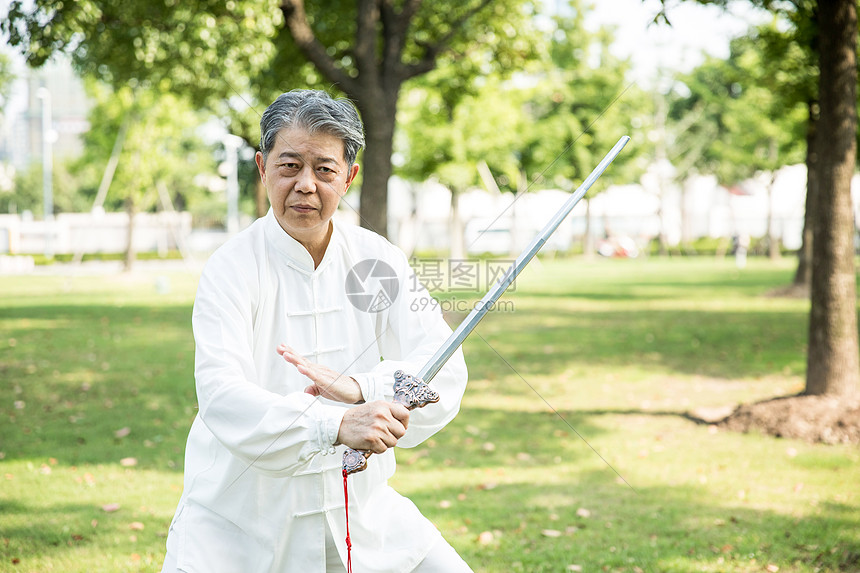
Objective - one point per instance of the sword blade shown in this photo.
(486, 303)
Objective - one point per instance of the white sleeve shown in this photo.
(272, 433)
(412, 334)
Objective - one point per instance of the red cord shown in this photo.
(346, 510)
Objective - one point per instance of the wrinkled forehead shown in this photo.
(312, 145)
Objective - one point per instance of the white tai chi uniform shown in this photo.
(263, 483)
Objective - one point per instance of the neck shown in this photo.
(317, 246)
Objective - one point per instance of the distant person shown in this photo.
(741, 245)
(293, 364)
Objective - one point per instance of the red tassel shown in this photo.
(346, 510)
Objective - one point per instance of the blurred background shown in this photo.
(129, 131)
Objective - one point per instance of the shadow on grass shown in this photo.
(96, 384)
(50, 532)
(592, 522)
(717, 344)
(485, 438)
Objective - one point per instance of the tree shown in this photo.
(158, 161)
(580, 106)
(247, 50)
(832, 365)
(750, 127)
(550, 127)
(443, 140)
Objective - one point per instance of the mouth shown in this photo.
(302, 208)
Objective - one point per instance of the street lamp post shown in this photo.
(47, 170)
(232, 144)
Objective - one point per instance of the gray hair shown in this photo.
(315, 111)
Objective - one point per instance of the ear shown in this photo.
(261, 166)
(350, 177)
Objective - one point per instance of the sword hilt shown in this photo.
(409, 391)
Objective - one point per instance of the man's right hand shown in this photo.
(375, 426)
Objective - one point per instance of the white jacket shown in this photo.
(262, 477)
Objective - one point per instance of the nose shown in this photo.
(305, 182)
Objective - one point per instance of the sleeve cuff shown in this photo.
(371, 386)
(328, 426)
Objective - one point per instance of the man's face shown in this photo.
(305, 175)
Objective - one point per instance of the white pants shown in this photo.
(441, 559)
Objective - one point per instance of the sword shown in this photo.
(413, 391)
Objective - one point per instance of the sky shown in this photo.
(695, 30)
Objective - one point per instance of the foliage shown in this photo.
(552, 121)
(161, 146)
(446, 140)
(26, 192)
(7, 77)
(100, 396)
(237, 56)
(744, 121)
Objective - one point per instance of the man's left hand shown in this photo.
(326, 382)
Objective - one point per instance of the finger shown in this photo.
(400, 413)
(294, 357)
(312, 390)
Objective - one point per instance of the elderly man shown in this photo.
(294, 363)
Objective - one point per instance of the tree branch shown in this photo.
(433, 50)
(296, 20)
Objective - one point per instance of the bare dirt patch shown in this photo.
(822, 419)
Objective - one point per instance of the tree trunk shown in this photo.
(588, 237)
(833, 362)
(803, 275)
(773, 241)
(458, 249)
(130, 254)
(378, 115)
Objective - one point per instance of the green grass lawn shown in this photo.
(571, 451)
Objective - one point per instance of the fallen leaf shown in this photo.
(574, 568)
(444, 504)
(122, 432)
(128, 462)
(485, 537)
(771, 568)
(136, 526)
(582, 512)
(551, 533)
(110, 507)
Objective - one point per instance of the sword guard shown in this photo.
(411, 392)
